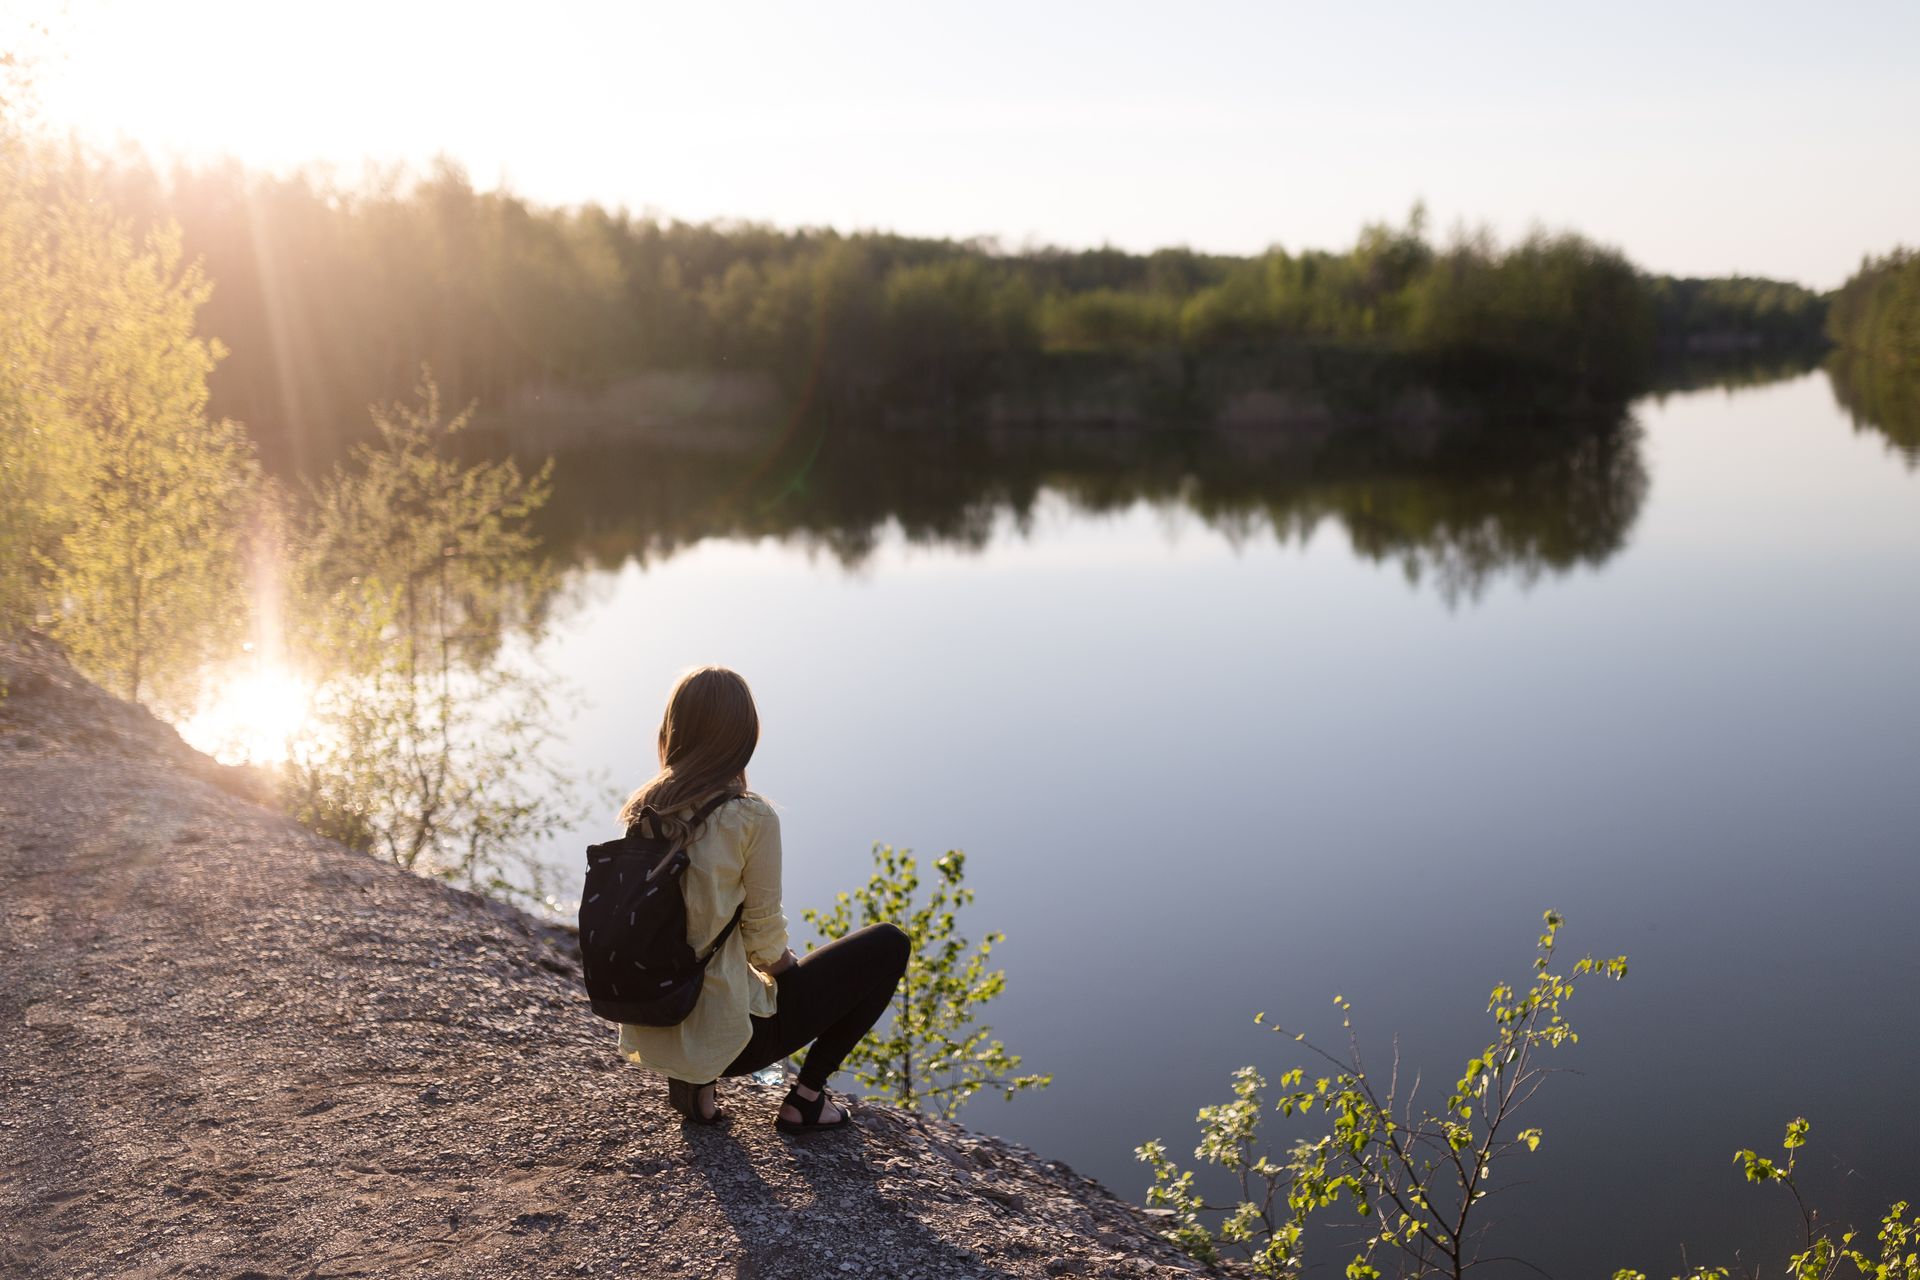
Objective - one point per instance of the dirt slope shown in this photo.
(229, 1048)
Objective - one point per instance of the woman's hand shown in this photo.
(786, 961)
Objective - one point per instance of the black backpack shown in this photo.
(633, 927)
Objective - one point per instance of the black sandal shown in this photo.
(810, 1109)
(685, 1098)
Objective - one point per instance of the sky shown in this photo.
(1702, 139)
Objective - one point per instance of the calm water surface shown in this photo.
(1212, 757)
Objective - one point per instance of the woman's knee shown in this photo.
(892, 942)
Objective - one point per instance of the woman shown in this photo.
(759, 1003)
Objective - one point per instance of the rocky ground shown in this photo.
(230, 1048)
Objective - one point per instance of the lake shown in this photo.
(1232, 724)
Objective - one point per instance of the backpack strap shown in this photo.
(706, 810)
(732, 924)
(700, 815)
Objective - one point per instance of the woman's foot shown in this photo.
(697, 1102)
(808, 1110)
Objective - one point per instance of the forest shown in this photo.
(330, 297)
(1876, 313)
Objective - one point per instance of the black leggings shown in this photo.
(829, 999)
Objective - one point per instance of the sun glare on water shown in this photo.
(251, 715)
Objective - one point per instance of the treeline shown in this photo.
(1876, 313)
(1737, 313)
(332, 297)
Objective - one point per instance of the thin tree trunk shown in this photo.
(906, 1043)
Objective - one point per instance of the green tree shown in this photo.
(1554, 311)
(149, 578)
(932, 1056)
(1110, 320)
(1736, 313)
(430, 745)
(36, 441)
(945, 323)
(126, 505)
(1876, 313)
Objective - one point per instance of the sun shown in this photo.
(250, 715)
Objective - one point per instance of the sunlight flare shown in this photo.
(250, 715)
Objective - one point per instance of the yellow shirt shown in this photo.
(734, 858)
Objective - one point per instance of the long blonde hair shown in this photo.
(707, 736)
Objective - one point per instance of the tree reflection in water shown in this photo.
(1456, 508)
(1879, 397)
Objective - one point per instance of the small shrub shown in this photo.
(1825, 1255)
(1414, 1178)
(932, 1057)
